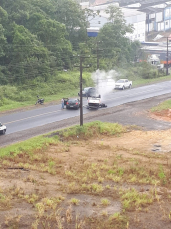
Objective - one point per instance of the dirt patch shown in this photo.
(104, 182)
(162, 115)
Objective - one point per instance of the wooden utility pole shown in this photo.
(167, 58)
(81, 67)
(81, 89)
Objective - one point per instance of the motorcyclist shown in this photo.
(40, 101)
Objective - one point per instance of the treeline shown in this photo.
(38, 38)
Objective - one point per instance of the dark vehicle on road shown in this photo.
(89, 92)
(73, 103)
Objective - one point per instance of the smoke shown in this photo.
(104, 81)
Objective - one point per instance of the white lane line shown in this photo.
(32, 117)
(128, 95)
(61, 110)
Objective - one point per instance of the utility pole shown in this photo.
(81, 67)
(97, 52)
(81, 87)
(167, 58)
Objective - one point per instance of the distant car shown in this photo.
(73, 103)
(89, 92)
(123, 83)
(3, 128)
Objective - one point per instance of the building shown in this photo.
(146, 16)
(159, 50)
(138, 20)
(132, 16)
(84, 5)
(158, 16)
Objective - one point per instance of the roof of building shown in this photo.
(126, 11)
(127, 2)
(156, 48)
(150, 10)
(93, 29)
(131, 12)
(162, 36)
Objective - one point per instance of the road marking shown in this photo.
(124, 96)
(32, 117)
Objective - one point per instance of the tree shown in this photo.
(113, 38)
(2, 41)
(70, 13)
(3, 16)
(37, 37)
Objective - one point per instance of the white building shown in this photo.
(132, 16)
(138, 20)
(84, 5)
(158, 16)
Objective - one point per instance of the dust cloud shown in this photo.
(104, 81)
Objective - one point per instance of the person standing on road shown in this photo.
(62, 103)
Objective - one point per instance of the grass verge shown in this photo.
(162, 106)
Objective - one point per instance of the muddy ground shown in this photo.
(120, 181)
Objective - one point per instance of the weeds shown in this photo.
(162, 175)
(12, 221)
(93, 129)
(74, 201)
(132, 200)
(105, 202)
(55, 218)
(5, 201)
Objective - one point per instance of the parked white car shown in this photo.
(123, 83)
(3, 128)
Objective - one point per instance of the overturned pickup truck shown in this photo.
(95, 103)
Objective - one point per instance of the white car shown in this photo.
(3, 128)
(123, 83)
(94, 102)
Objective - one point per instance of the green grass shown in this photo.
(12, 105)
(27, 146)
(162, 106)
(132, 199)
(41, 142)
(94, 129)
(140, 81)
(63, 84)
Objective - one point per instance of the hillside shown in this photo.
(38, 38)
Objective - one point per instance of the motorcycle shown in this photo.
(40, 101)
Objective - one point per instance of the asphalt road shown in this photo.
(45, 115)
(129, 107)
